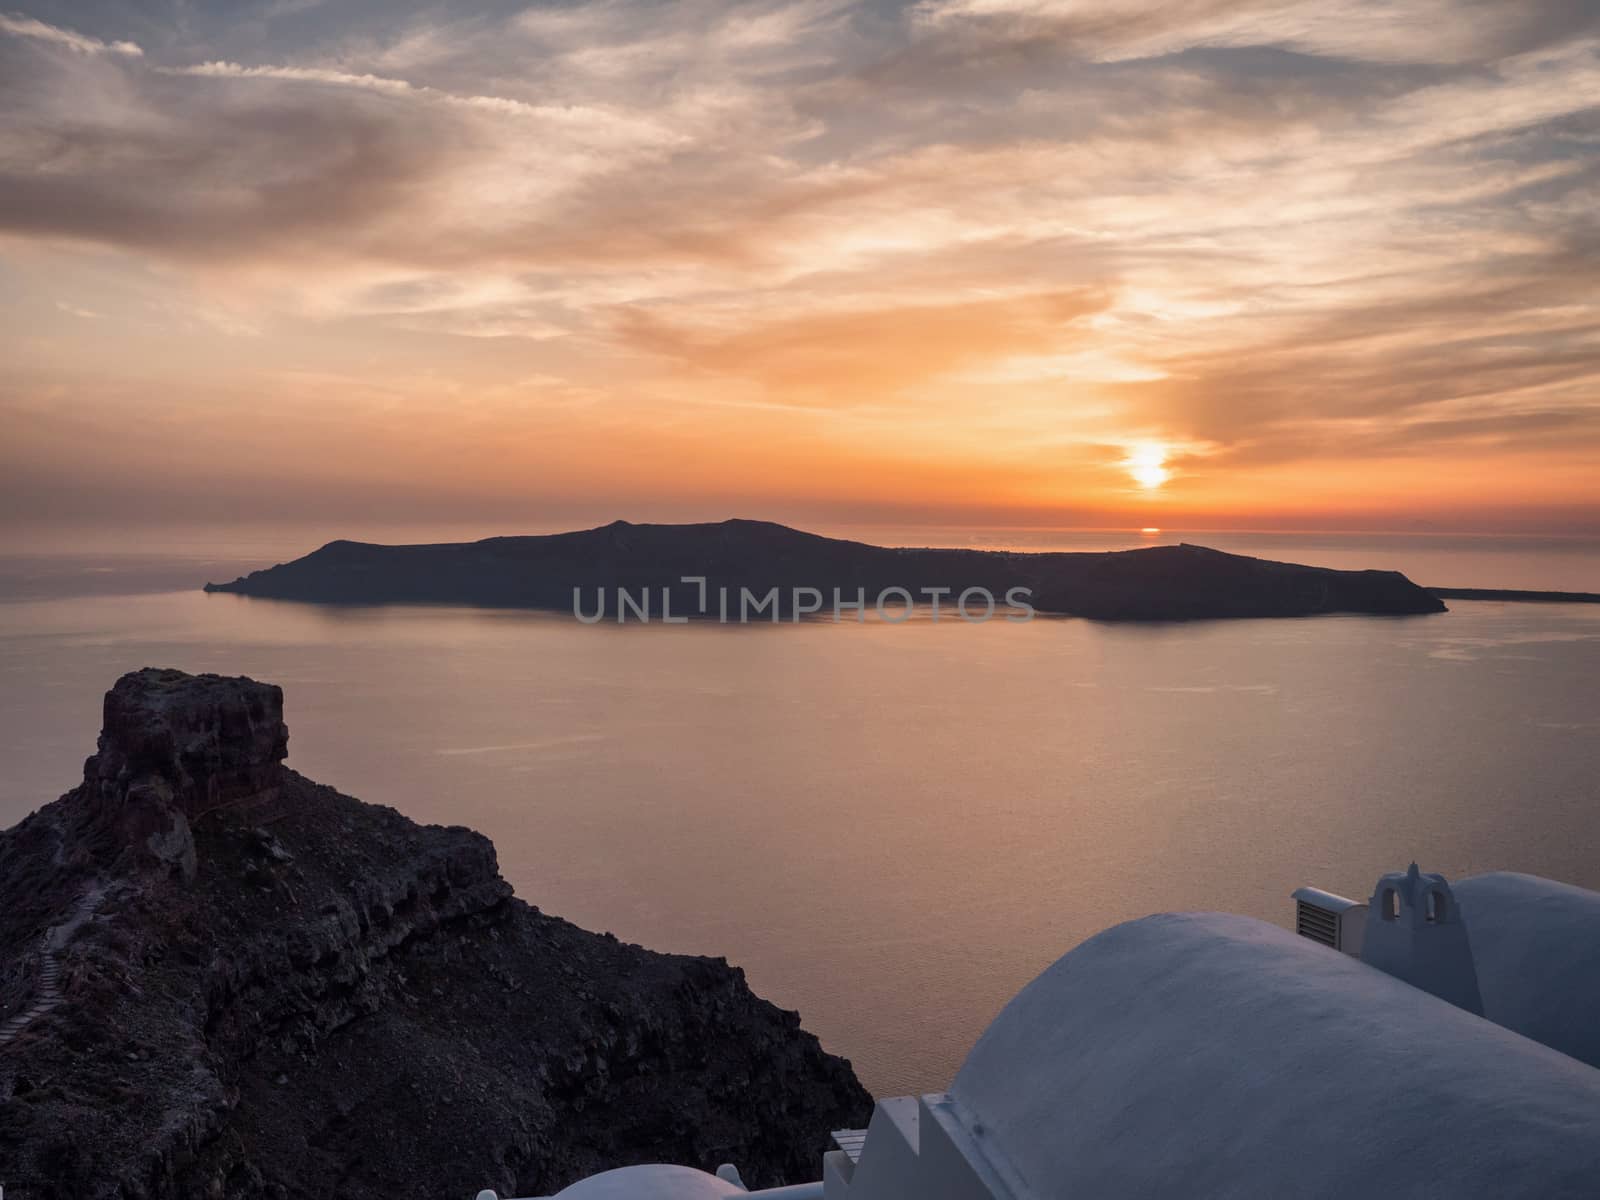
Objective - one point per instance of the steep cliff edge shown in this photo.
(220, 979)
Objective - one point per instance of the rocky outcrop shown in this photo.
(175, 748)
(280, 991)
(1159, 583)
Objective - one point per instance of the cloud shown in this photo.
(1415, 32)
(224, 176)
(868, 355)
(594, 121)
(28, 27)
(1276, 231)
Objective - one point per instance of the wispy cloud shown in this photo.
(563, 115)
(27, 27)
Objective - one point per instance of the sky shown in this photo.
(1127, 263)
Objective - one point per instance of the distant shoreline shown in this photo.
(1518, 594)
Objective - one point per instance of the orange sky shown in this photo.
(1009, 262)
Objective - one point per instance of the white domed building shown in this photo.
(1435, 1041)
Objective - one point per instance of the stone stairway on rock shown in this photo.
(48, 992)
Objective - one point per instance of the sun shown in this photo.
(1146, 462)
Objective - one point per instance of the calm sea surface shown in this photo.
(891, 827)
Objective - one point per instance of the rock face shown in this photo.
(1159, 583)
(264, 988)
(177, 747)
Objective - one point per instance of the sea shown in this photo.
(891, 827)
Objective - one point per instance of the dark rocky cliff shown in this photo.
(1159, 583)
(220, 979)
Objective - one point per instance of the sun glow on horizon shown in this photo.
(1146, 463)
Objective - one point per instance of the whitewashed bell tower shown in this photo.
(1415, 932)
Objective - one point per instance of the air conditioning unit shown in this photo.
(1335, 921)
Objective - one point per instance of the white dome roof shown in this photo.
(650, 1183)
(1536, 944)
(1209, 1055)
